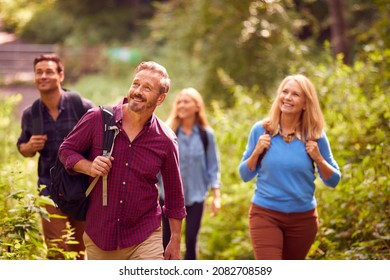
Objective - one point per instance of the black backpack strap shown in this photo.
(77, 104)
(37, 118)
(204, 138)
(263, 153)
(110, 131)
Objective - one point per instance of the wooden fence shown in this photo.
(16, 60)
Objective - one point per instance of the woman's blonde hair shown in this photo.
(312, 120)
(173, 120)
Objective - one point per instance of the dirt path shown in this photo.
(28, 92)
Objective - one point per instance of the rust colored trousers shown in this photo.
(281, 236)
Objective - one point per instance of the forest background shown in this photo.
(235, 53)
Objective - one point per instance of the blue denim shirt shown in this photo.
(198, 176)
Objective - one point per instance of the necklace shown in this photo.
(287, 137)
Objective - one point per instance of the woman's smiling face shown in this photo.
(292, 99)
(186, 107)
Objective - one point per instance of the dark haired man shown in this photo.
(56, 110)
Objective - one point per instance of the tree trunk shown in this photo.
(338, 29)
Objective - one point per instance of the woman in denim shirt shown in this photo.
(199, 164)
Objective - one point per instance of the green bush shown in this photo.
(21, 208)
(226, 236)
(20, 236)
(56, 32)
(355, 216)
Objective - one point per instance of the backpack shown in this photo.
(37, 123)
(70, 192)
(205, 140)
(203, 137)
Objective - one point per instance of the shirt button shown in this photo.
(121, 201)
(124, 183)
(126, 164)
(119, 220)
(130, 146)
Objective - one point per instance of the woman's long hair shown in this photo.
(312, 120)
(174, 121)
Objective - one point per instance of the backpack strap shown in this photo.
(91, 186)
(77, 104)
(110, 131)
(263, 153)
(37, 118)
(203, 137)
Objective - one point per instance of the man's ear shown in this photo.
(161, 98)
(62, 76)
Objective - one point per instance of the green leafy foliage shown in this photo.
(20, 236)
(102, 89)
(226, 236)
(56, 32)
(358, 124)
(21, 208)
(246, 39)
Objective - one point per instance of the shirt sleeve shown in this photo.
(80, 139)
(87, 104)
(26, 126)
(213, 170)
(173, 189)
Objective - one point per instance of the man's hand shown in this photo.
(35, 144)
(100, 166)
(172, 252)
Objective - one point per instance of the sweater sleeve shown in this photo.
(324, 146)
(245, 173)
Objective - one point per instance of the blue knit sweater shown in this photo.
(286, 174)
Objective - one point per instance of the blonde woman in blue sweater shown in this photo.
(283, 152)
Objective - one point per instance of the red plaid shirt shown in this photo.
(133, 211)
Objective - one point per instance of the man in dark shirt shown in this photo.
(59, 118)
(129, 225)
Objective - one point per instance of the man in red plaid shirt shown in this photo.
(129, 226)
